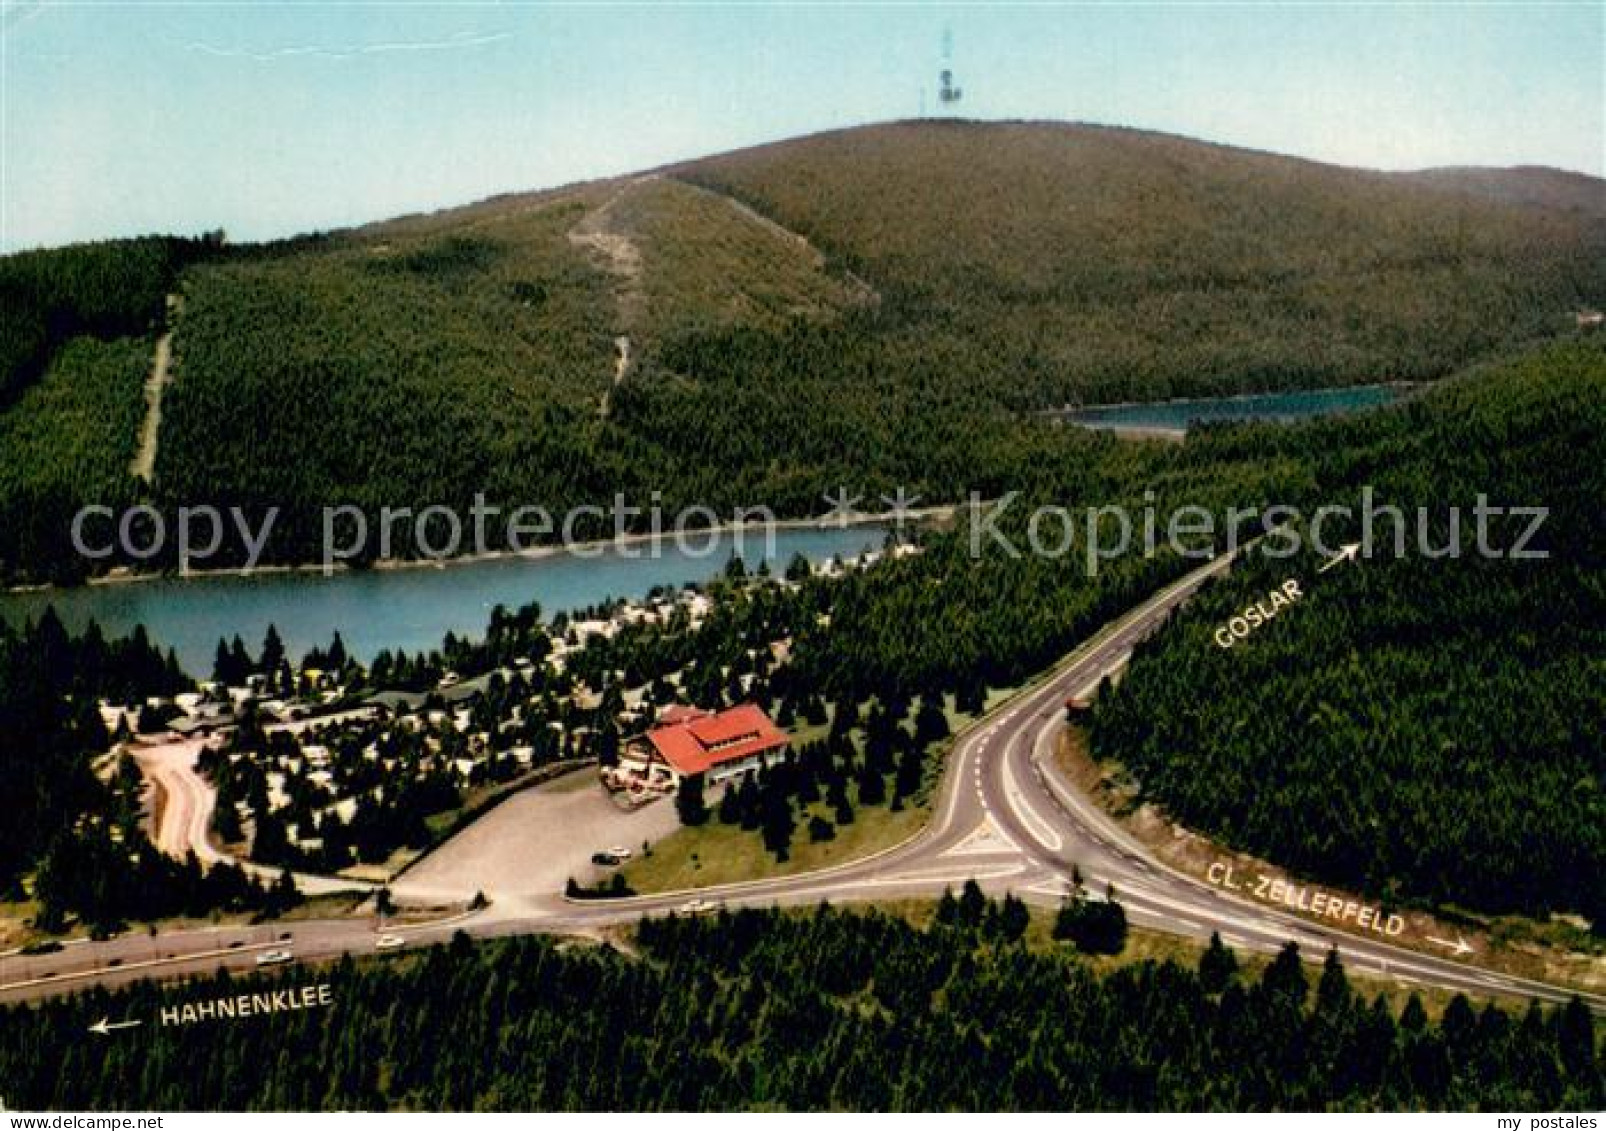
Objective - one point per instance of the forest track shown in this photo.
(622, 259)
(619, 253)
(144, 462)
(621, 366)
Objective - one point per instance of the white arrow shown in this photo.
(105, 1025)
(1460, 946)
(1345, 553)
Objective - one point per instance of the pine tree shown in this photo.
(1217, 965)
(1333, 995)
(689, 803)
(972, 905)
(272, 652)
(1575, 1043)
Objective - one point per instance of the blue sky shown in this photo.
(270, 119)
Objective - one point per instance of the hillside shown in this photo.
(875, 307)
(1541, 187)
(1075, 262)
(1424, 726)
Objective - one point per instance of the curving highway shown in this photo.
(1005, 817)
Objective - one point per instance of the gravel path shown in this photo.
(144, 465)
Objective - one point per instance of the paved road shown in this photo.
(1005, 817)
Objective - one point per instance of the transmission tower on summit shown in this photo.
(948, 91)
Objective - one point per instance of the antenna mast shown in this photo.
(948, 92)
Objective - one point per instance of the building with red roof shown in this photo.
(720, 745)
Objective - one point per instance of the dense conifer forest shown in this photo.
(113, 289)
(875, 308)
(1045, 263)
(821, 1010)
(49, 685)
(1421, 726)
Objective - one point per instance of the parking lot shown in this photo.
(535, 841)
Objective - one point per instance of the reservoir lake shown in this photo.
(408, 609)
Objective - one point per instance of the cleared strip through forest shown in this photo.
(144, 464)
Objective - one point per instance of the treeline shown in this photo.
(375, 376)
(75, 349)
(68, 441)
(112, 289)
(107, 875)
(823, 1011)
(408, 390)
(1423, 730)
(1420, 727)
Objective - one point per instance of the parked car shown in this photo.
(274, 957)
(389, 942)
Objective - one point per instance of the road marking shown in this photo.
(1051, 887)
(986, 837)
(1460, 946)
(104, 971)
(1039, 828)
(948, 875)
(106, 1026)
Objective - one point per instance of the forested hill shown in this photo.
(1418, 726)
(877, 307)
(1113, 264)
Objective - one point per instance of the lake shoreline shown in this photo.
(1402, 385)
(580, 550)
(413, 610)
(1157, 426)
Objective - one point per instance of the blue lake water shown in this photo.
(1179, 415)
(410, 609)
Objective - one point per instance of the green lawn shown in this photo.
(721, 854)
